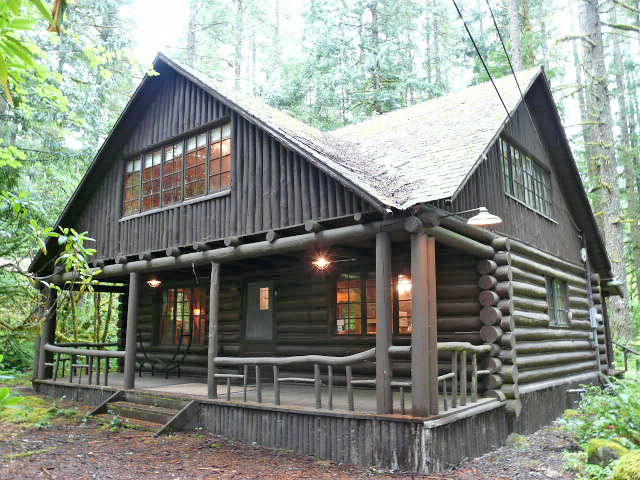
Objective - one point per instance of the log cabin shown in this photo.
(402, 292)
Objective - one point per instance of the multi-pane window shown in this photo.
(190, 168)
(356, 304)
(525, 179)
(196, 170)
(151, 179)
(557, 302)
(132, 187)
(220, 163)
(172, 174)
(403, 289)
(184, 316)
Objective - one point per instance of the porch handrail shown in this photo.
(86, 344)
(84, 352)
(285, 361)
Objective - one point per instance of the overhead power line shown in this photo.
(484, 64)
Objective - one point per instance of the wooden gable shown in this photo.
(556, 233)
(272, 186)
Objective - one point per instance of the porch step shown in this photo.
(107, 419)
(141, 411)
(143, 398)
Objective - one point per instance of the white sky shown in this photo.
(158, 25)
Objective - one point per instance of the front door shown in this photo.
(258, 316)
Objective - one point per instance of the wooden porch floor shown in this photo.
(297, 396)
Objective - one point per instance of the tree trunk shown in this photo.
(603, 161)
(239, 34)
(191, 56)
(515, 32)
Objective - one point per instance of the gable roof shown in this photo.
(399, 159)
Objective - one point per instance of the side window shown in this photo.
(557, 302)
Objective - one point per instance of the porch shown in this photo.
(295, 350)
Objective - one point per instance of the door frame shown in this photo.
(258, 346)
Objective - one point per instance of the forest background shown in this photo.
(328, 63)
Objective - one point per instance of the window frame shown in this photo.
(367, 274)
(163, 294)
(164, 146)
(558, 316)
(532, 175)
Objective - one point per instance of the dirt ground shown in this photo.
(72, 449)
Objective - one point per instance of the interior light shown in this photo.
(196, 311)
(484, 218)
(154, 282)
(404, 285)
(321, 263)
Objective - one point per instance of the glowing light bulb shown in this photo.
(154, 282)
(321, 263)
(196, 311)
(404, 284)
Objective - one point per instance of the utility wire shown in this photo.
(504, 48)
(475, 46)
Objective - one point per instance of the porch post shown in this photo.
(424, 342)
(131, 346)
(214, 288)
(48, 331)
(384, 399)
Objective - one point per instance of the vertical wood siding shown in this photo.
(485, 188)
(272, 187)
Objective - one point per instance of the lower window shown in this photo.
(557, 302)
(356, 304)
(184, 316)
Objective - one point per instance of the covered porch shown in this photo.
(443, 362)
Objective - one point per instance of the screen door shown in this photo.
(259, 311)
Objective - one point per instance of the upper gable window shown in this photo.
(525, 179)
(189, 168)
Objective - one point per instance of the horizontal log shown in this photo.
(525, 333)
(271, 236)
(488, 298)
(460, 242)
(579, 301)
(490, 333)
(486, 267)
(493, 364)
(504, 273)
(508, 340)
(461, 226)
(171, 252)
(507, 356)
(529, 290)
(494, 381)
(543, 269)
(297, 360)
(501, 243)
(510, 390)
(84, 352)
(530, 319)
(487, 282)
(527, 303)
(353, 233)
(457, 292)
(505, 289)
(528, 277)
(509, 373)
(458, 308)
(145, 256)
(507, 324)
(502, 258)
(540, 256)
(312, 226)
(231, 242)
(538, 374)
(490, 315)
(506, 306)
(538, 360)
(458, 324)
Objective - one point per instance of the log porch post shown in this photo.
(214, 288)
(424, 341)
(131, 346)
(48, 332)
(384, 398)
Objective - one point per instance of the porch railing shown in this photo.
(459, 386)
(92, 359)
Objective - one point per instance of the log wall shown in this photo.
(556, 235)
(304, 304)
(272, 187)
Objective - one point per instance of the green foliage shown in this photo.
(601, 451)
(6, 400)
(35, 412)
(628, 467)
